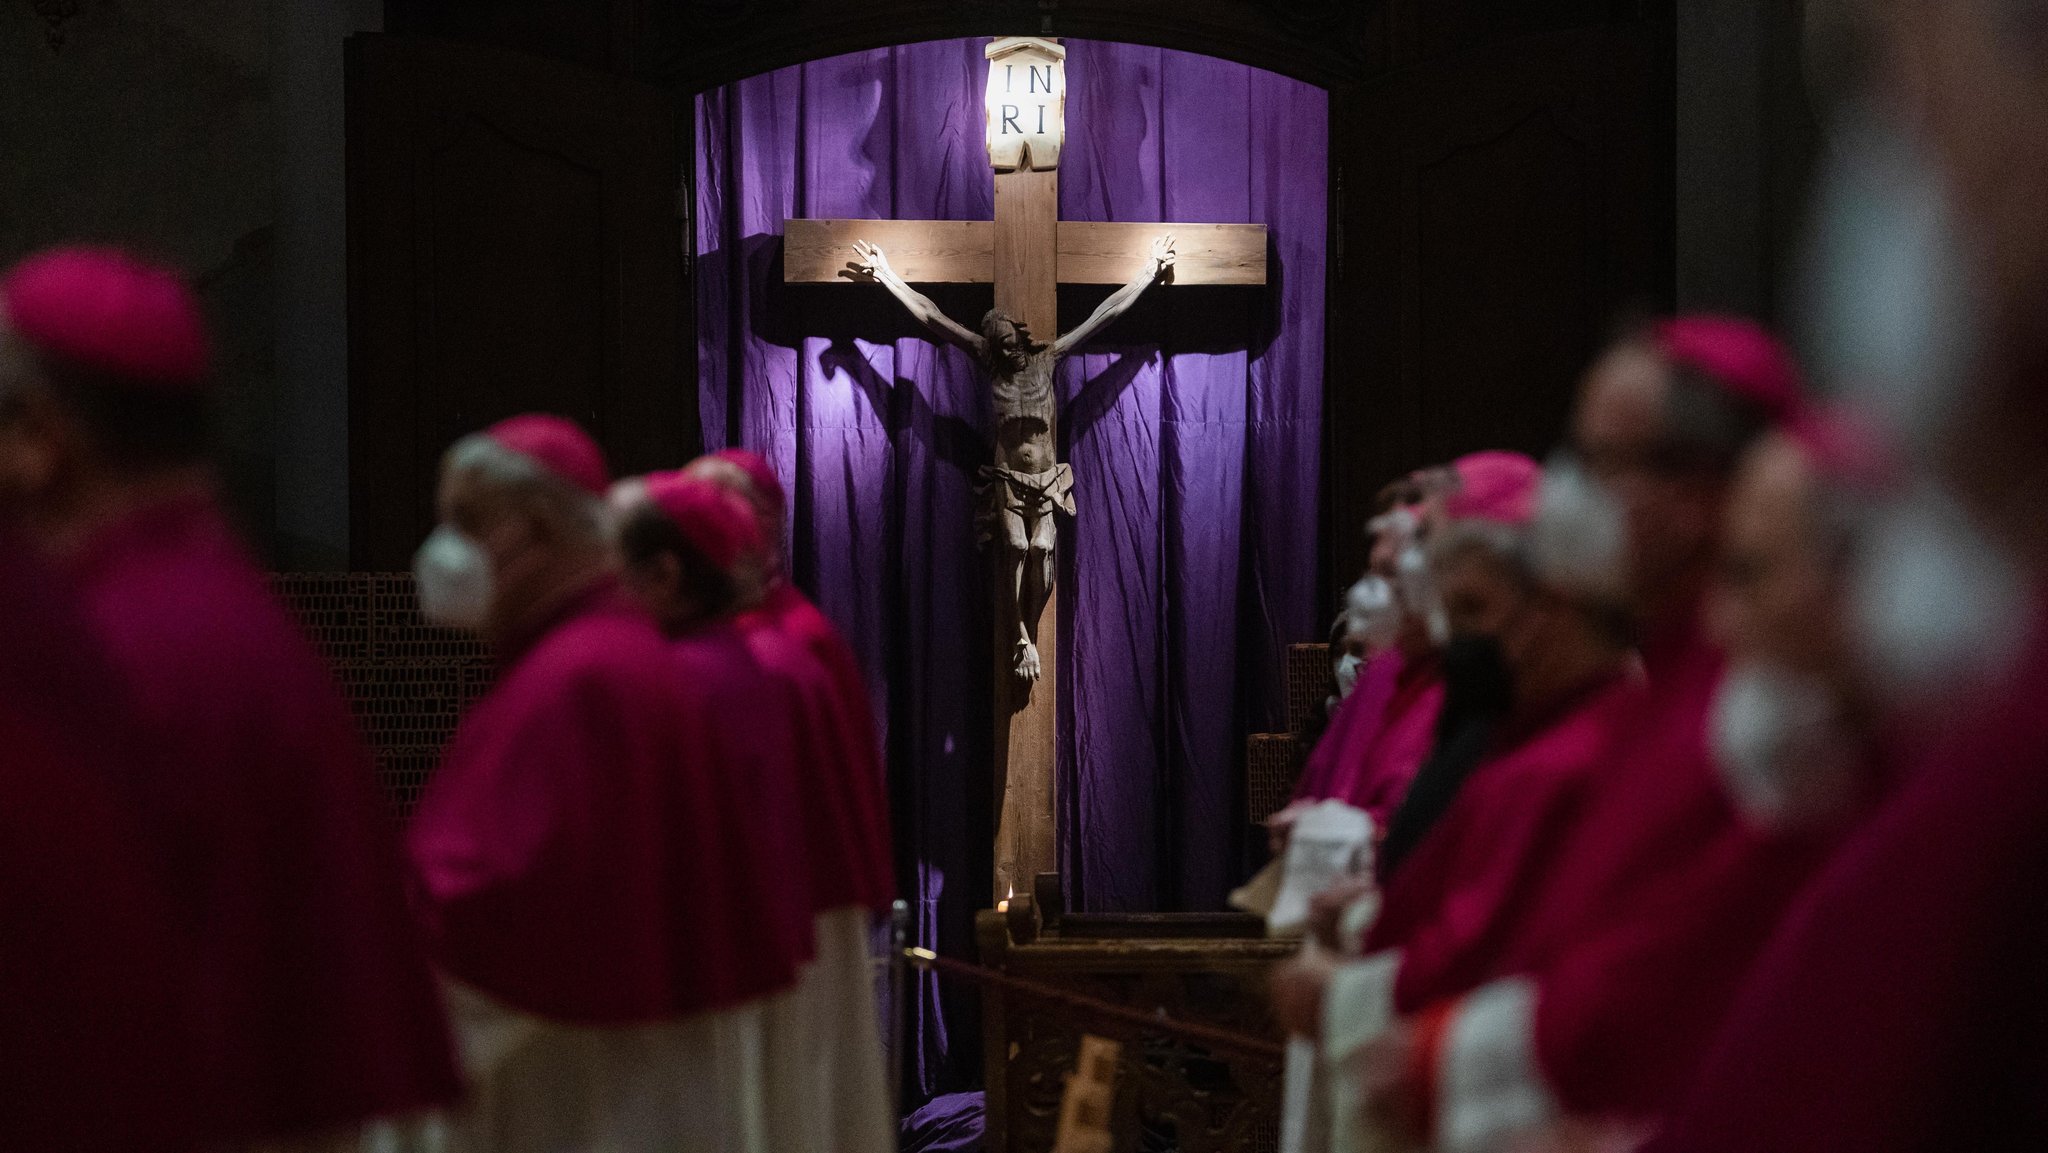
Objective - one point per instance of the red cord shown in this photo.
(1425, 1058)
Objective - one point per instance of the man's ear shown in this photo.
(36, 436)
(536, 527)
(505, 532)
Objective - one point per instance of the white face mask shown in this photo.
(1372, 614)
(1415, 584)
(1578, 541)
(453, 577)
(1891, 321)
(1783, 748)
(1413, 590)
(1346, 673)
(1933, 604)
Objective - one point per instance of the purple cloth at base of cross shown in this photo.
(953, 1123)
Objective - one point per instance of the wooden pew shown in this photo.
(1208, 968)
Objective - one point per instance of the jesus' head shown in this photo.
(1010, 346)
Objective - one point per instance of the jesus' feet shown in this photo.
(1027, 661)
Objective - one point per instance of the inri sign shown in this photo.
(1027, 103)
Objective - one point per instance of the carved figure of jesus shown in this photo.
(1028, 483)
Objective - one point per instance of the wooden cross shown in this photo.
(1027, 252)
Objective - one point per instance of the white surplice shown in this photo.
(826, 1082)
(800, 1072)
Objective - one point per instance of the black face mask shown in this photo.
(1477, 690)
(1476, 678)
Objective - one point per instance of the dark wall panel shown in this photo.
(1501, 207)
(513, 246)
(516, 284)
(1498, 216)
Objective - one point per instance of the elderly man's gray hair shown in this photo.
(532, 488)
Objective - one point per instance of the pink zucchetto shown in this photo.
(1739, 355)
(714, 521)
(104, 310)
(1494, 486)
(557, 444)
(759, 472)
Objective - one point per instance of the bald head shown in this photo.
(1660, 440)
(1791, 719)
(1621, 402)
(1782, 577)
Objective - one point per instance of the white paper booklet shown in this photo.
(1330, 842)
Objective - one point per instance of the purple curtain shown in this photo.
(1193, 427)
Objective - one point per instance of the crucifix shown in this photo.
(1027, 252)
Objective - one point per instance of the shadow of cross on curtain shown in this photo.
(1027, 252)
(1193, 427)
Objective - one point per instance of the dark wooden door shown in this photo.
(513, 246)
(1503, 202)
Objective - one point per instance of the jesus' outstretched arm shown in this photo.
(1156, 269)
(870, 264)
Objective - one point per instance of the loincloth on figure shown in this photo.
(1005, 492)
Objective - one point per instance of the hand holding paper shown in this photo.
(1331, 842)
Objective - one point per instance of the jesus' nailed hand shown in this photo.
(1024, 488)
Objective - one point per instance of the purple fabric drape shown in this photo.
(1193, 428)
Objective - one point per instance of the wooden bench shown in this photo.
(1208, 968)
